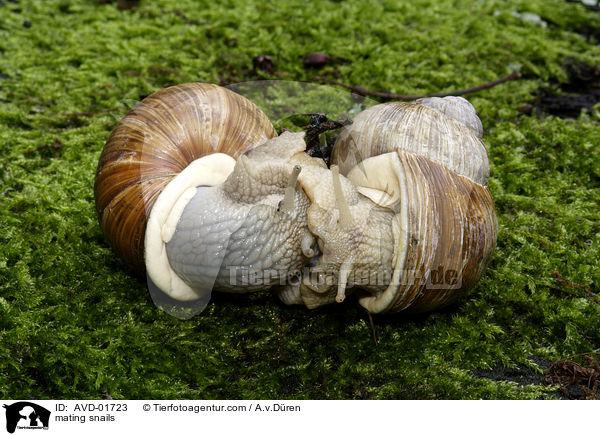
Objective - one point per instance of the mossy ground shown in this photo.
(75, 324)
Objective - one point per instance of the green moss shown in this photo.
(75, 324)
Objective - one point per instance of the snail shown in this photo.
(195, 188)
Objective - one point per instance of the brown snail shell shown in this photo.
(155, 141)
(431, 166)
(431, 129)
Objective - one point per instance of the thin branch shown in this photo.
(184, 17)
(98, 112)
(357, 89)
(568, 284)
(582, 354)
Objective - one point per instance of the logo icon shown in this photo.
(26, 415)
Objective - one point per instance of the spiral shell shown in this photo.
(426, 162)
(446, 132)
(155, 141)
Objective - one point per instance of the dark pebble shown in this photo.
(315, 60)
(526, 108)
(128, 4)
(264, 63)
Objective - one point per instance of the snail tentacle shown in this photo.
(343, 274)
(342, 205)
(287, 204)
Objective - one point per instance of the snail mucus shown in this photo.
(195, 188)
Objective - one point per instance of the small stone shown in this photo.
(525, 108)
(264, 63)
(315, 60)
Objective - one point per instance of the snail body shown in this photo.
(194, 188)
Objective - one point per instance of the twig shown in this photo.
(357, 89)
(586, 288)
(92, 113)
(318, 124)
(162, 70)
(184, 17)
(582, 354)
(567, 373)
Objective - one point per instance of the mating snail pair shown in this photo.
(195, 188)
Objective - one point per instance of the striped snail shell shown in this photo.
(426, 162)
(156, 141)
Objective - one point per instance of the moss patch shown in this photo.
(75, 324)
